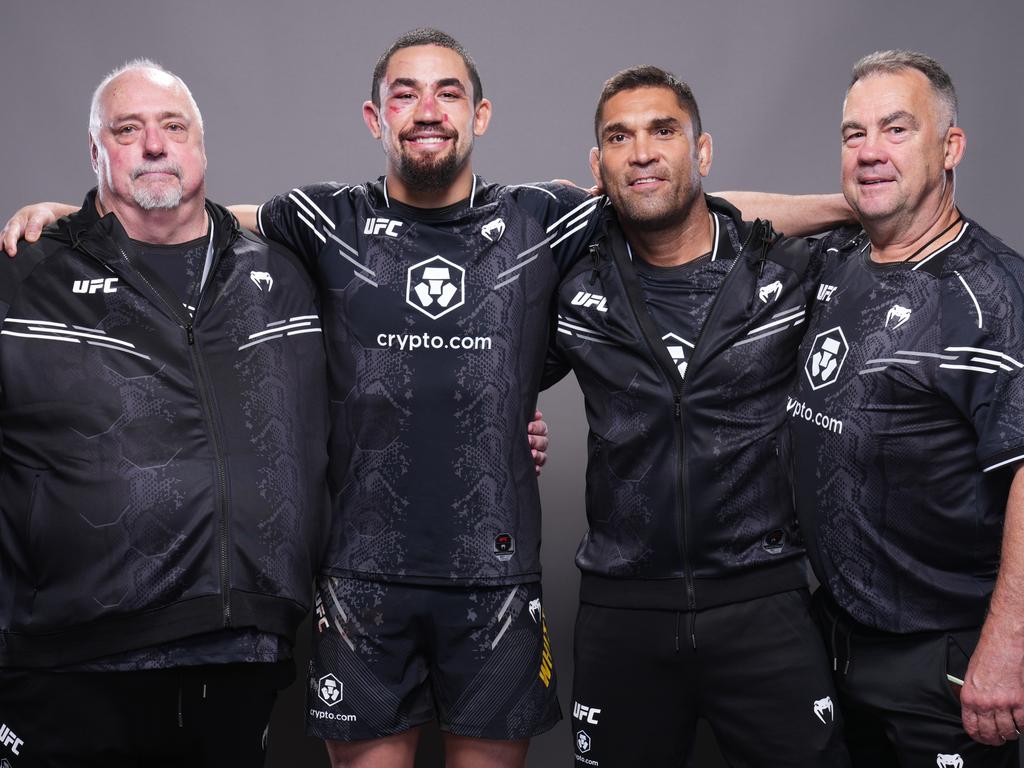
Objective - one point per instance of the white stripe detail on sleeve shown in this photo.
(591, 201)
(970, 293)
(314, 206)
(1003, 463)
(991, 352)
(309, 224)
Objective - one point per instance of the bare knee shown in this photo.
(397, 751)
(466, 752)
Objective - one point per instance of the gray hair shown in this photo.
(891, 62)
(135, 64)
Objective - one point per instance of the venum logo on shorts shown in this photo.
(504, 547)
(547, 664)
(10, 739)
(435, 287)
(329, 689)
(821, 706)
(5, 763)
(826, 357)
(949, 761)
(535, 612)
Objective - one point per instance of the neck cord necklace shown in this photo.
(920, 250)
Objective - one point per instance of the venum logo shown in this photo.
(826, 357)
(330, 690)
(535, 609)
(770, 292)
(104, 284)
(262, 279)
(821, 706)
(493, 230)
(584, 299)
(585, 713)
(949, 761)
(388, 227)
(435, 287)
(897, 315)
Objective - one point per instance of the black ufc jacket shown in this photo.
(160, 477)
(688, 498)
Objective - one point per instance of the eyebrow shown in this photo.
(409, 82)
(892, 117)
(168, 115)
(900, 114)
(655, 124)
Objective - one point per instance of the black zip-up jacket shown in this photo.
(160, 476)
(689, 498)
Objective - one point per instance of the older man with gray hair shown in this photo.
(906, 426)
(162, 466)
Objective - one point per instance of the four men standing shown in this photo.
(691, 527)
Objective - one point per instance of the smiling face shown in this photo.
(649, 163)
(899, 150)
(427, 120)
(147, 150)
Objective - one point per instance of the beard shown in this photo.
(431, 174)
(157, 197)
(655, 213)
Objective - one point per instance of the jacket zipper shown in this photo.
(198, 365)
(678, 391)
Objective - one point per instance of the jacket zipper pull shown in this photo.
(191, 336)
(595, 256)
(766, 241)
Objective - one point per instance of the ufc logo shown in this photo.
(10, 739)
(584, 299)
(375, 226)
(587, 714)
(825, 292)
(95, 286)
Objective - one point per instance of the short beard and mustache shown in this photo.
(430, 175)
(157, 198)
(639, 215)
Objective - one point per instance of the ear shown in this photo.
(371, 116)
(956, 145)
(595, 166)
(94, 154)
(481, 117)
(705, 153)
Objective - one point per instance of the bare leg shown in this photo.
(465, 752)
(398, 751)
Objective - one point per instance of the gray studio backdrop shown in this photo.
(281, 84)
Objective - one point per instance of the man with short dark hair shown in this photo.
(906, 425)
(162, 473)
(682, 328)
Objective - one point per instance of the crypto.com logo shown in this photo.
(826, 358)
(435, 287)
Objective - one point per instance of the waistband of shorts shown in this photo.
(673, 595)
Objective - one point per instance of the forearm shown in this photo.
(246, 215)
(1005, 621)
(797, 215)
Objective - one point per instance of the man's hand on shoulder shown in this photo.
(29, 221)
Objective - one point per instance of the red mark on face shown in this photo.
(444, 118)
(394, 110)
